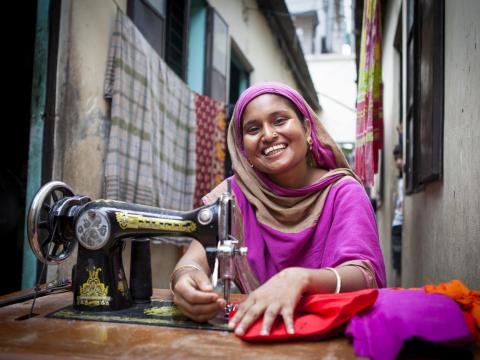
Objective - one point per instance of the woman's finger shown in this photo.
(201, 281)
(287, 314)
(240, 311)
(199, 312)
(187, 287)
(268, 318)
(249, 317)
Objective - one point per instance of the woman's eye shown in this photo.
(280, 121)
(252, 130)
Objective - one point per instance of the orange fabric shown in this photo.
(316, 315)
(468, 299)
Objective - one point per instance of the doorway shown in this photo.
(14, 142)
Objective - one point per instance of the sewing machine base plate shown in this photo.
(157, 313)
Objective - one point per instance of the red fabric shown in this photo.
(316, 315)
(210, 137)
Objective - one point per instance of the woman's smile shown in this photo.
(274, 150)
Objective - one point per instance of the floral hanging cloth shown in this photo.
(369, 136)
(211, 124)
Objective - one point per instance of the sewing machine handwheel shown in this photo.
(43, 231)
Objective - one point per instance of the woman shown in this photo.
(308, 223)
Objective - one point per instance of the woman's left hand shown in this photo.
(278, 296)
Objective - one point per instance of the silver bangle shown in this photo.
(339, 279)
(187, 266)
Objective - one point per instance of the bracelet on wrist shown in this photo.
(181, 267)
(338, 287)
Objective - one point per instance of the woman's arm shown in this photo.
(280, 295)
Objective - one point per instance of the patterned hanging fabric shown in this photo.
(151, 153)
(369, 137)
(210, 116)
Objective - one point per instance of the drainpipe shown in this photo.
(39, 90)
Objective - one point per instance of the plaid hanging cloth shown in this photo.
(369, 137)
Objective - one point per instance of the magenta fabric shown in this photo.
(399, 315)
(324, 157)
(346, 230)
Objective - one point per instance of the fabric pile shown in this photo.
(384, 322)
(469, 301)
(156, 120)
(399, 315)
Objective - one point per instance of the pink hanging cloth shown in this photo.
(369, 137)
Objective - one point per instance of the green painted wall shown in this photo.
(39, 89)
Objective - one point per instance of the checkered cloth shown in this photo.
(151, 157)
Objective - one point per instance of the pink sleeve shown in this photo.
(213, 195)
(367, 271)
(353, 234)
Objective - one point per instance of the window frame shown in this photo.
(424, 105)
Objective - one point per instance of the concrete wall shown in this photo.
(441, 237)
(82, 125)
(250, 30)
(391, 66)
(442, 229)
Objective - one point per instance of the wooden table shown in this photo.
(46, 338)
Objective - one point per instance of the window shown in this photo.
(425, 93)
(217, 56)
(164, 23)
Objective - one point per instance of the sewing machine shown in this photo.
(58, 220)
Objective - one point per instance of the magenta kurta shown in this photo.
(346, 230)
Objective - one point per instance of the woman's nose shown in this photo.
(269, 134)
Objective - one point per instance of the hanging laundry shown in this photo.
(151, 155)
(369, 133)
(211, 125)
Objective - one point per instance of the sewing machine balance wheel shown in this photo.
(51, 240)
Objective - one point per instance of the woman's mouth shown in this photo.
(273, 150)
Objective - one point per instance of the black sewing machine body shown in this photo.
(58, 220)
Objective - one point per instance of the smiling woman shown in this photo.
(307, 221)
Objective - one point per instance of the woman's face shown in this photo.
(274, 139)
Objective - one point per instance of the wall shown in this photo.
(250, 30)
(442, 223)
(81, 127)
(334, 77)
(391, 66)
(442, 232)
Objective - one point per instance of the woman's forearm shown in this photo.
(325, 280)
(195, 255)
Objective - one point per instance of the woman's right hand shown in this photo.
(194, 296)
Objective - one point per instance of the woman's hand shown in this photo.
(194, 296)
(278, 296)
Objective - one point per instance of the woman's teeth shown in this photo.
(274, 149)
